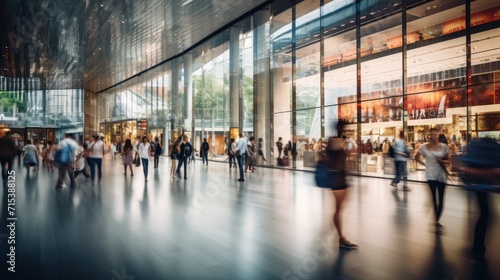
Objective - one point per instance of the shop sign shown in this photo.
(427, 113)
(4, 118)
(142, 124)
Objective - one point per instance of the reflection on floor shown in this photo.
(275, 225)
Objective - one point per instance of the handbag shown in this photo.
(328, 178)
(137, 161)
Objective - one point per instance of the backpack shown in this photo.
(158, 149)
(63, 155)
(188, 150)
(204, 146)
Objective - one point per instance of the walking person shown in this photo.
(436, 155)
(81, 163)
(97, 150)
(250, 156)
(186, 150)
(174, 154)
(240, 155)
(260, 149)
(143, 152)
(204, 151)
(127, 157)
(67, 149)
(113, 150)
(7, 154)
(401, 153)
(337, 157)
(480, 174)
(51, 150)
(158, 150)
(233, 147)
(279, 145)
(30, 156)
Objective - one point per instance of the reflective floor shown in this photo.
(275, 225)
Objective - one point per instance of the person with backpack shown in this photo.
(65, 157)
(186, 152)
(204, 151)
(337, 152)
(158, 150)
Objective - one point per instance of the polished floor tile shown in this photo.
(275, 225)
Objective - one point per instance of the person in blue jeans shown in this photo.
(400, 156)
(240, 155)
(186, 151)
(143, 151)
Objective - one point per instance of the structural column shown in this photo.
(262, 100)
(235, 122)
(187, 112)
(175, 113)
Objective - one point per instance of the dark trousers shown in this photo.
(400, 166)
(182, 160)
(84, 171)
(482, 223)
(145, 163)
(241, 161)
(8, 168)
(156, 160)
(232, 161)
(93, 162)
(437, 201)
(204, 157)
(63, 169)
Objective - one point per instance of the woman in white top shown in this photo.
(436, 155)
(143, 151)
(96, 152)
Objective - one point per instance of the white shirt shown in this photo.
(144, 150)
(242, 145)
(433, 170)
(97, 149)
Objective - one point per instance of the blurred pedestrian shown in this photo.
(337, 157)
(436, 155)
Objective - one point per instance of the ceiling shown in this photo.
(96, 44)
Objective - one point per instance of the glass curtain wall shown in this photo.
(281, 84)
(290, 72)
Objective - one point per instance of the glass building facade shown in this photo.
(291, 69)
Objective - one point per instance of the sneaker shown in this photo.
(347, 244)
(241, 180)
(394, 185)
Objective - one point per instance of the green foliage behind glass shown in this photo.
(7, 101)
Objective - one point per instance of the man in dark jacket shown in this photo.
(7, 154)
(204, 151)
(186, 151)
